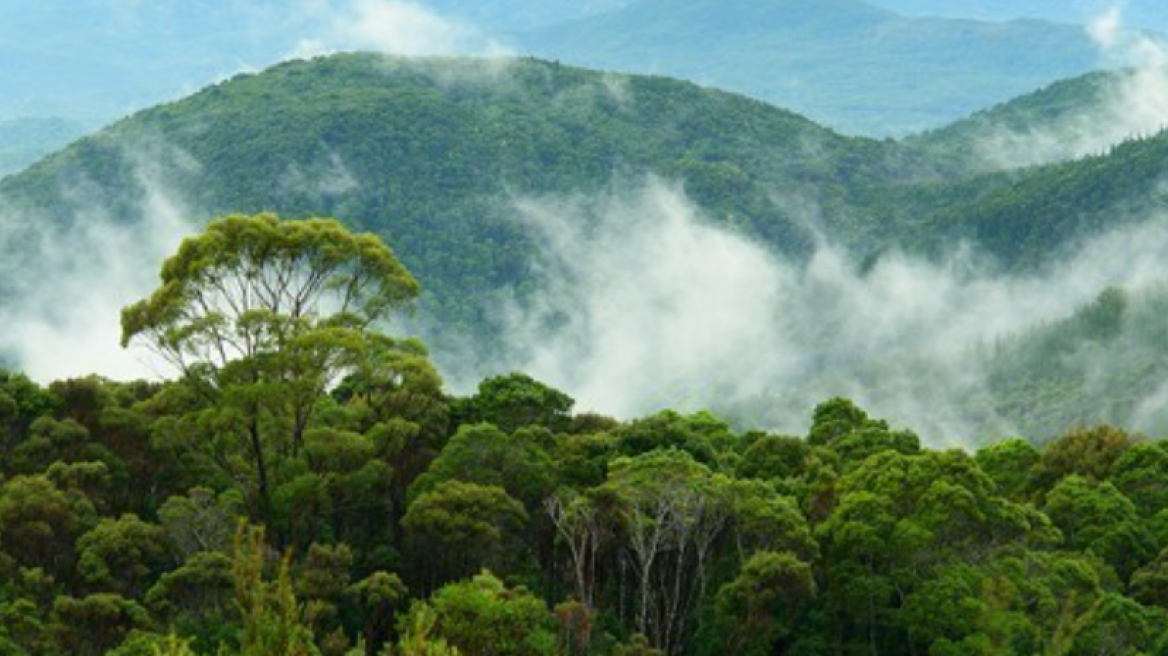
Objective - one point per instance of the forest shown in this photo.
(302, 483)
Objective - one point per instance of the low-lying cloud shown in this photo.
(1132, 103)
(64, 288)
(643, 304)
(639, 302)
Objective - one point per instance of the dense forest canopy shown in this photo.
(317, 491)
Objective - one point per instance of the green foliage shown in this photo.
(121, 555)
(458, 528)
(21, 402)
(417, 638)
(516, 401)
(1010, 464)
(774, 457)
(762, 605)
(41, 521)
(235, 286)
(1141, 473)
(200, 521)
(93, 624)
(1098, 518)
(272, 621)
(482, 454)
(483, 616)
(1084, 452)
(377, 597)
(702, 435)
(197, 599)
(262, 315)
(151, 644)
(669, 535)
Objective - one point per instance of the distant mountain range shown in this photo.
(847, 64)
(1139, 14)
(844, 63)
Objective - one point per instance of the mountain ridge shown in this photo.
(441, 156)
(857, 67)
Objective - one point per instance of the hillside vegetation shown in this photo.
(432, 154)
(435, 155)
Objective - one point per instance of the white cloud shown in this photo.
(64, 319)
(1107, 28)
(641, 304)
(391, 26)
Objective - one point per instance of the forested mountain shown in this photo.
(433, 153)
(980, 142)
(842, 62)
(446, 157)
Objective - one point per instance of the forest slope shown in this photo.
(445, 158)
(432, 154)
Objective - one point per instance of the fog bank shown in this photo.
(642, 303)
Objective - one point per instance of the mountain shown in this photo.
(1143, 14)
(98, 60)
(433, 153)
(1024, 218)
(847, 64)
(25, 140)
(1071, 119)
(1105, 363)
(396, 144)
(470, 167)
(844, 63)
(1049, 110)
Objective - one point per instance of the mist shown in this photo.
(65, 288)
(637, 301)
(642, 303)
(1132, 102)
